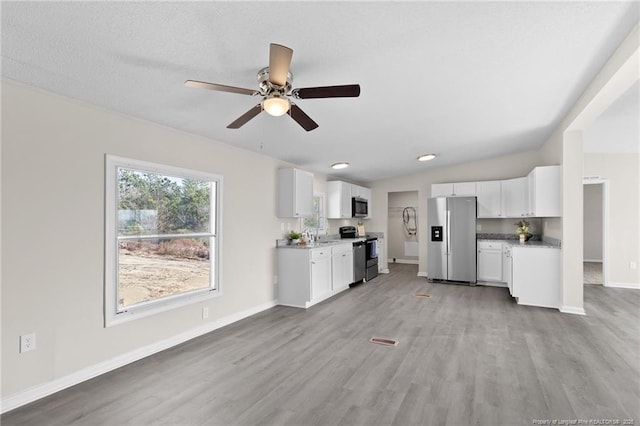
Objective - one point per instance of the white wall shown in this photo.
(623, 174)
(508, 226)
(53, 155)
(592, 226)
(616, 77)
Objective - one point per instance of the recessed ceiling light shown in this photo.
(339, 165)
(426, 157)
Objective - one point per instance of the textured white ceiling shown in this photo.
(465, 80)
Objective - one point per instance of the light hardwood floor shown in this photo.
(467, 355)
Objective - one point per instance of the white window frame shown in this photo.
(111, 314)
(322, 230)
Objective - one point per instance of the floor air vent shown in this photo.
(383, 341)
(422, 295)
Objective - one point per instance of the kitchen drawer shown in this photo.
(489, 245)
(342, 248)
(322, 253)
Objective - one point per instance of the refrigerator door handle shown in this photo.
(448, 226)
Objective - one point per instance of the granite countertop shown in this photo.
(513, 241)
(319, 244)
(327, 241)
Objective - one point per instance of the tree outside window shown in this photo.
(317, 223)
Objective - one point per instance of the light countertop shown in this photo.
(526, 244)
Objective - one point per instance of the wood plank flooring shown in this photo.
(467, 355)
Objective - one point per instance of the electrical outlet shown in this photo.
(633, 265)
(205, 313)
(27, 342)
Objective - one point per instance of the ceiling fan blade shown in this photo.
(279, 63)
(244, 118)
(301, 118)
(346, 91)
(219, 87)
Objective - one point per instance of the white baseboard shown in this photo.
(384, 271)
(40, 391)
(406, 261)
(635, 286)
(492, 284)
(572, 310)
(592, 260)
(422, 274)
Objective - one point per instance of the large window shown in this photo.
(162, 238)
(316, 224)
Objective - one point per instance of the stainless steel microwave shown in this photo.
(359, 207)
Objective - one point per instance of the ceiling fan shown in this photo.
(275, 89)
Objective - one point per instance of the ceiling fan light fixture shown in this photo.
(339, 166)
(426, 157)
(276, 105)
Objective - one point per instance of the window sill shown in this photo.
(156, 307)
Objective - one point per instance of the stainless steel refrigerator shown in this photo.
(451, 251)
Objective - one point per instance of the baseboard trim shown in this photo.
(422, 274)
(407, 261)
(40, 391)
(492, 284)
(592, 260)
(384, 271)
(634, 286)
(572, 310)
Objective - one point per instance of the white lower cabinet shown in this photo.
(490, 261)
(320, 274)
(342, 267)
(536, 276)
(307, 276)
(506, 267)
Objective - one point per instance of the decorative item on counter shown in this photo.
(523, 230)
(361, 232)
(294, 237)
(304, 239)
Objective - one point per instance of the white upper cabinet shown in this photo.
(338, 200)
(357, 191)
(458, 189)
(544, 192)
(536, 195)
(295, 193)
(515, 197)
(489, 195)
(339, 195)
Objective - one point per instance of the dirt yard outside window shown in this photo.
(149, 271)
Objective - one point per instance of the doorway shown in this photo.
(595, 231)
(402, 227)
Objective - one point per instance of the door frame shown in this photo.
(605, 223)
